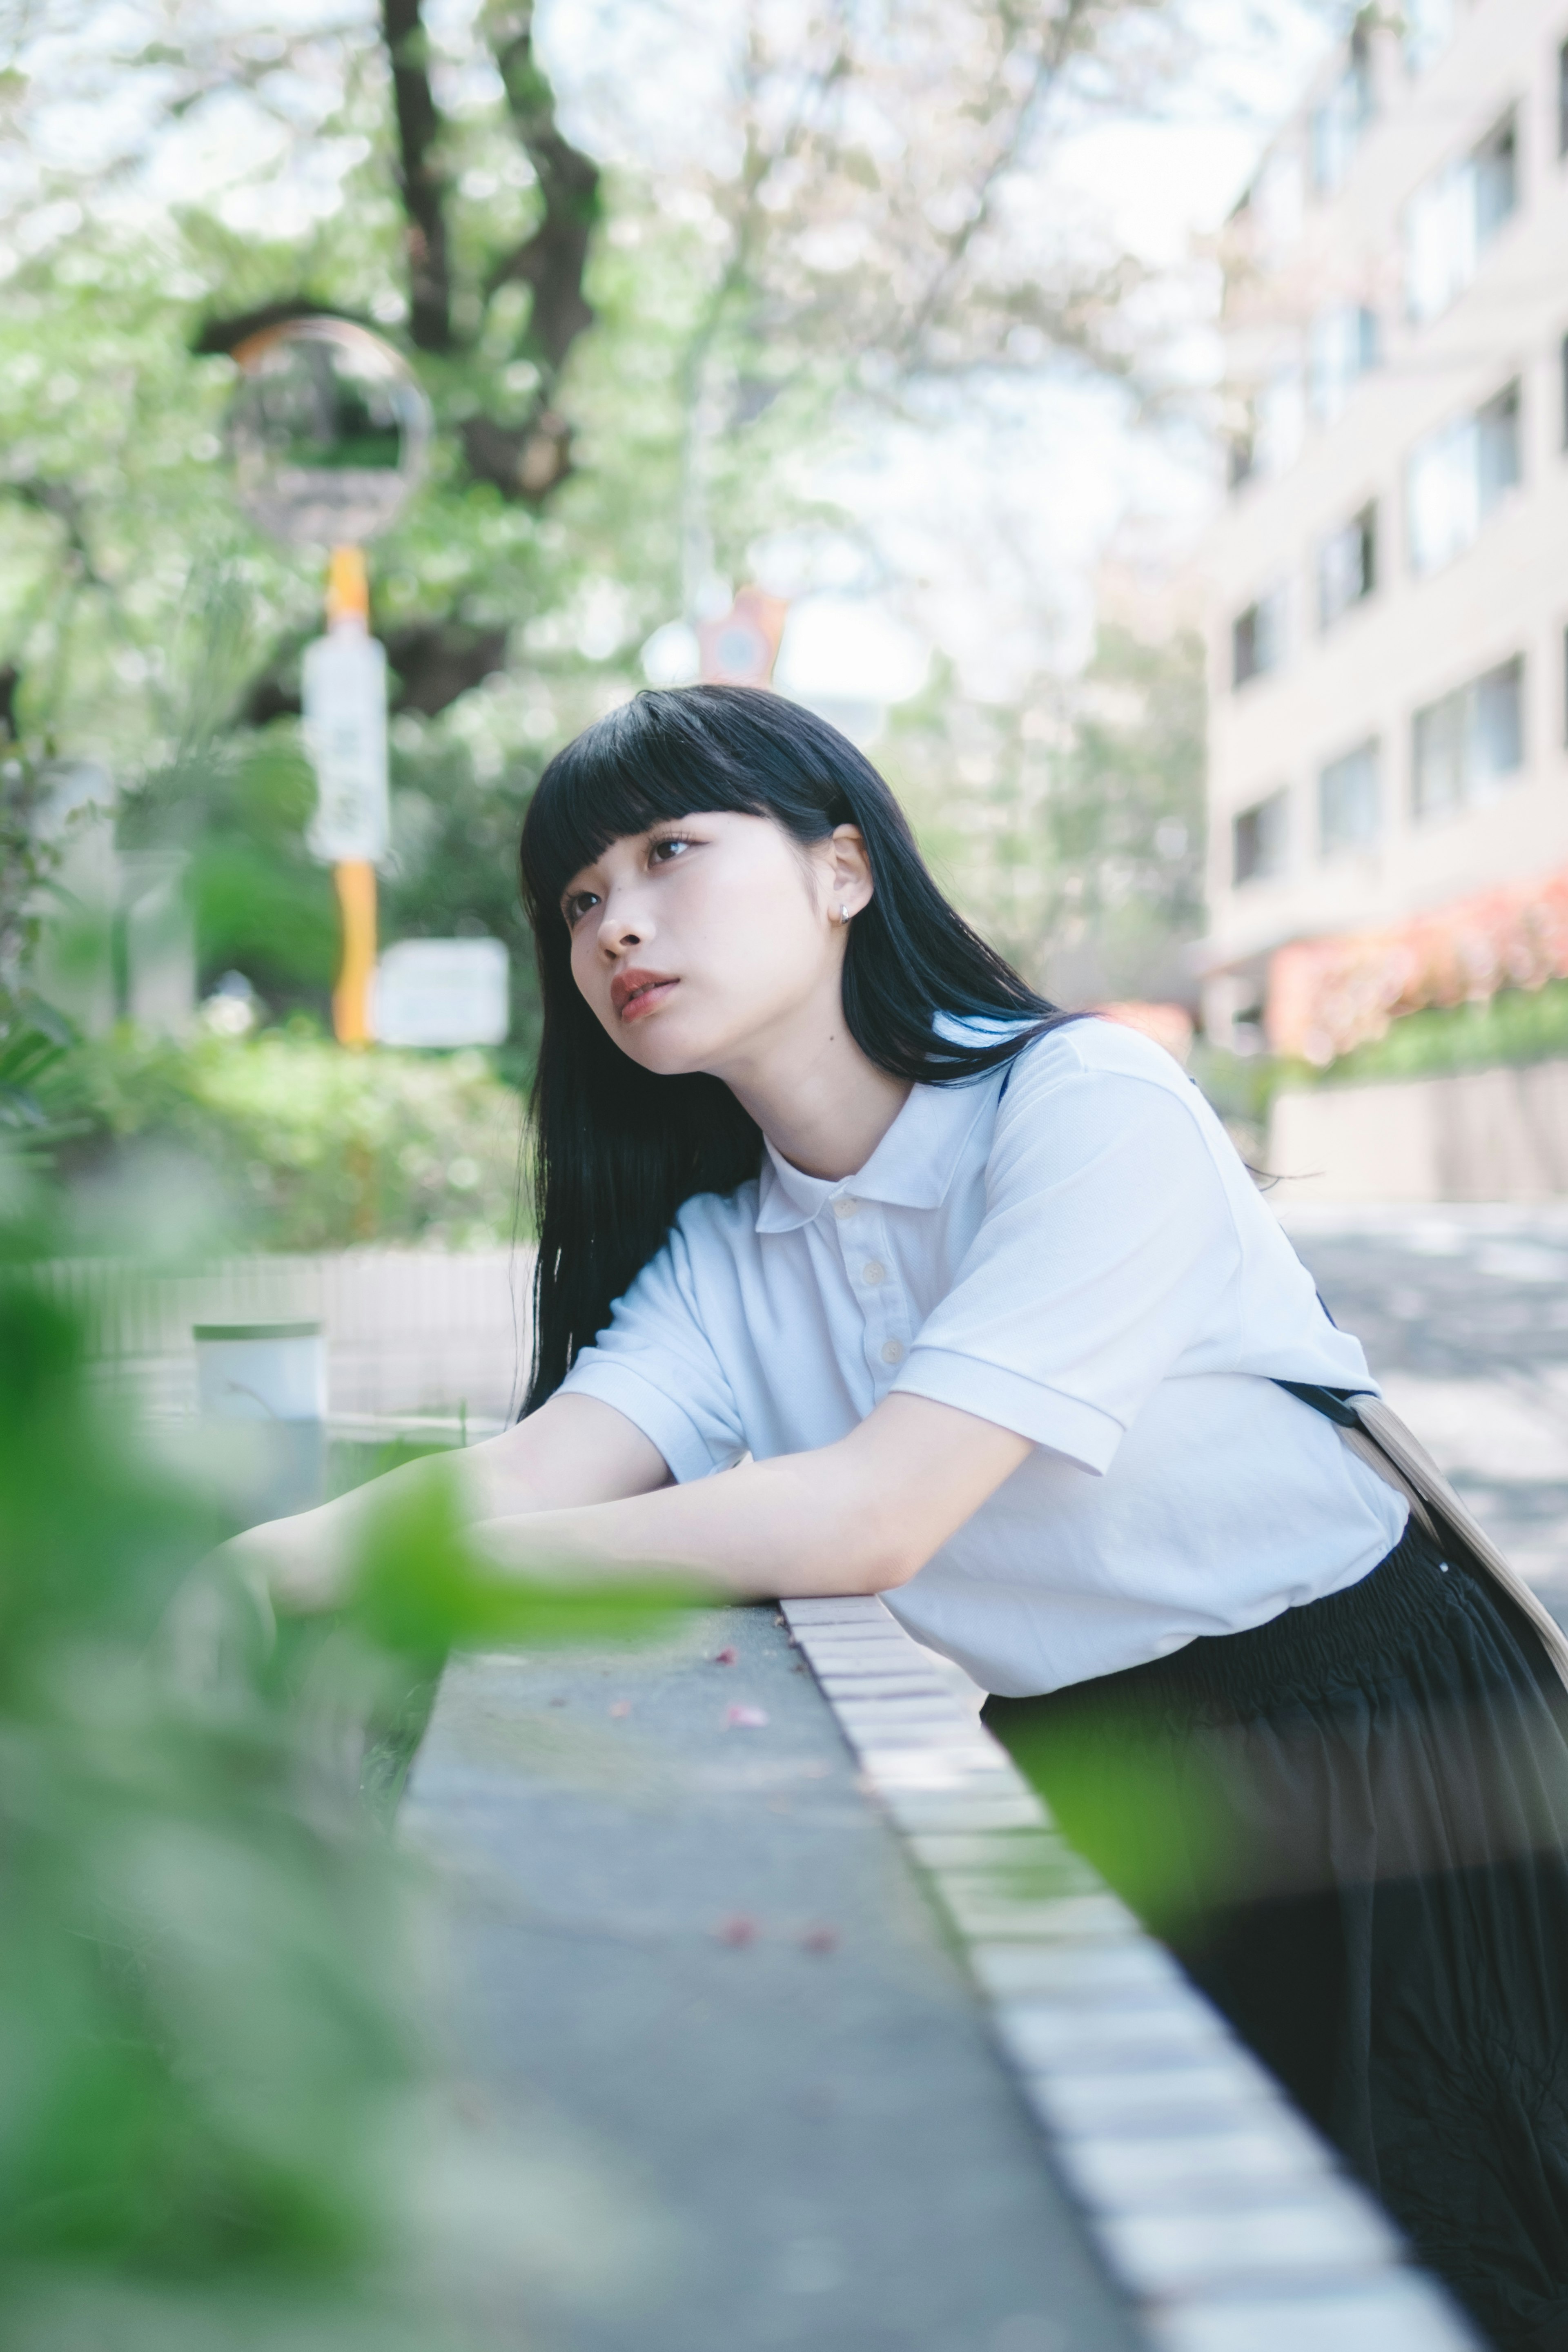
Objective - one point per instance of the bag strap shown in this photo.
(1332, 1404)
(1375, 1435)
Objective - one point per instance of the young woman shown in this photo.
(987, 1297)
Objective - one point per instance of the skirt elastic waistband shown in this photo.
(1352, 1639)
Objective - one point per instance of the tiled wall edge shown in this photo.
(1221, 2212)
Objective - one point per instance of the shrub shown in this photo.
(314, 1148)
(1518, 1025)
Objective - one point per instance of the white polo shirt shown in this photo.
(1080, 1256)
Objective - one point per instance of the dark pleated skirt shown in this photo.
(1351, 1825)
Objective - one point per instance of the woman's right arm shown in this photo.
(573, 1450)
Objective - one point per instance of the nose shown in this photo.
(621, 926)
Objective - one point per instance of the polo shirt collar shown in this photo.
(912, 1168)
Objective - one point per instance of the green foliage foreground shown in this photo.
(220, 2125)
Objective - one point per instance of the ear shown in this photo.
(849, 872)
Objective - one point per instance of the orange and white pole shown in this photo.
(345, 729)
(353, 878)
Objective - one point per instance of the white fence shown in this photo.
(410, 1334)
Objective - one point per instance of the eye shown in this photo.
(665, 850)
(575, 907)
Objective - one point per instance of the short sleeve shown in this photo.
(655, 1364)
(1106, 1245)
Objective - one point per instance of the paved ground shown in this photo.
(1464, 1315)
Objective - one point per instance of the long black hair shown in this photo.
(617, 1149)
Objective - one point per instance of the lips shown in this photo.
(635, 994)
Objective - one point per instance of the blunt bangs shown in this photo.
(656, 758)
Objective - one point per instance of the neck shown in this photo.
(816, 1096)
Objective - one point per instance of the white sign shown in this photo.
(345, 699)
(441, 992)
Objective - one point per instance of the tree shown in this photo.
(806, 265)
(1069, 824)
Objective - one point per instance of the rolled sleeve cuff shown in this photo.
(1047, 1417)
(688, 1453)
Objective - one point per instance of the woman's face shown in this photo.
(699, 942)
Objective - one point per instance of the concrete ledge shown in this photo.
(1221, 2212)
(810, 2029)
(694, 1982)
(1470, 1135)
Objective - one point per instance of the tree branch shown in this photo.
(528, 460)
(555, 258)
(1046, 66)
(64, 502)
(421, 178)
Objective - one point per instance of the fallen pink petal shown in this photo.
(740, 1930)
(745, 1719)
(724, 1657)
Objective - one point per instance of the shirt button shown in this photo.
(845, 1207)
(874, 1271)
(892, 1351)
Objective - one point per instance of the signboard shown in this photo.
(739, 648)
(345, 701)
(441, 992)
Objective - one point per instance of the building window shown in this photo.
(1341, 348)
(1456, 477)
(1280, 416)
(1257, 838)
(1265, 436)
(1499, 461)
(1347, 566)
(1496, 166)
(1449, 221)
(1257, 638)
(1337, 124)
(1427, 27)
(1242, 437)
(1563, 101)
(1467, 747)
(1349, 811)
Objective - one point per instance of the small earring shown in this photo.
(843, 914)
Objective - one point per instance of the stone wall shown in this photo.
(1470, 1135)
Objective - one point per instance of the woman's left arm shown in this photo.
(860, 1516)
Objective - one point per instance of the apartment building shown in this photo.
(1388, 581)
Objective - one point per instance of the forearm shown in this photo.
(573, 1450)
(805, 1523)
(306, 1559)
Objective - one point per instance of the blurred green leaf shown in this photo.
(220, 2125)
(421, 1587)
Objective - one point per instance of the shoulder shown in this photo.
(1096, 1099)
(714, 1226)
(1098, 1057)
(695, 1260)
